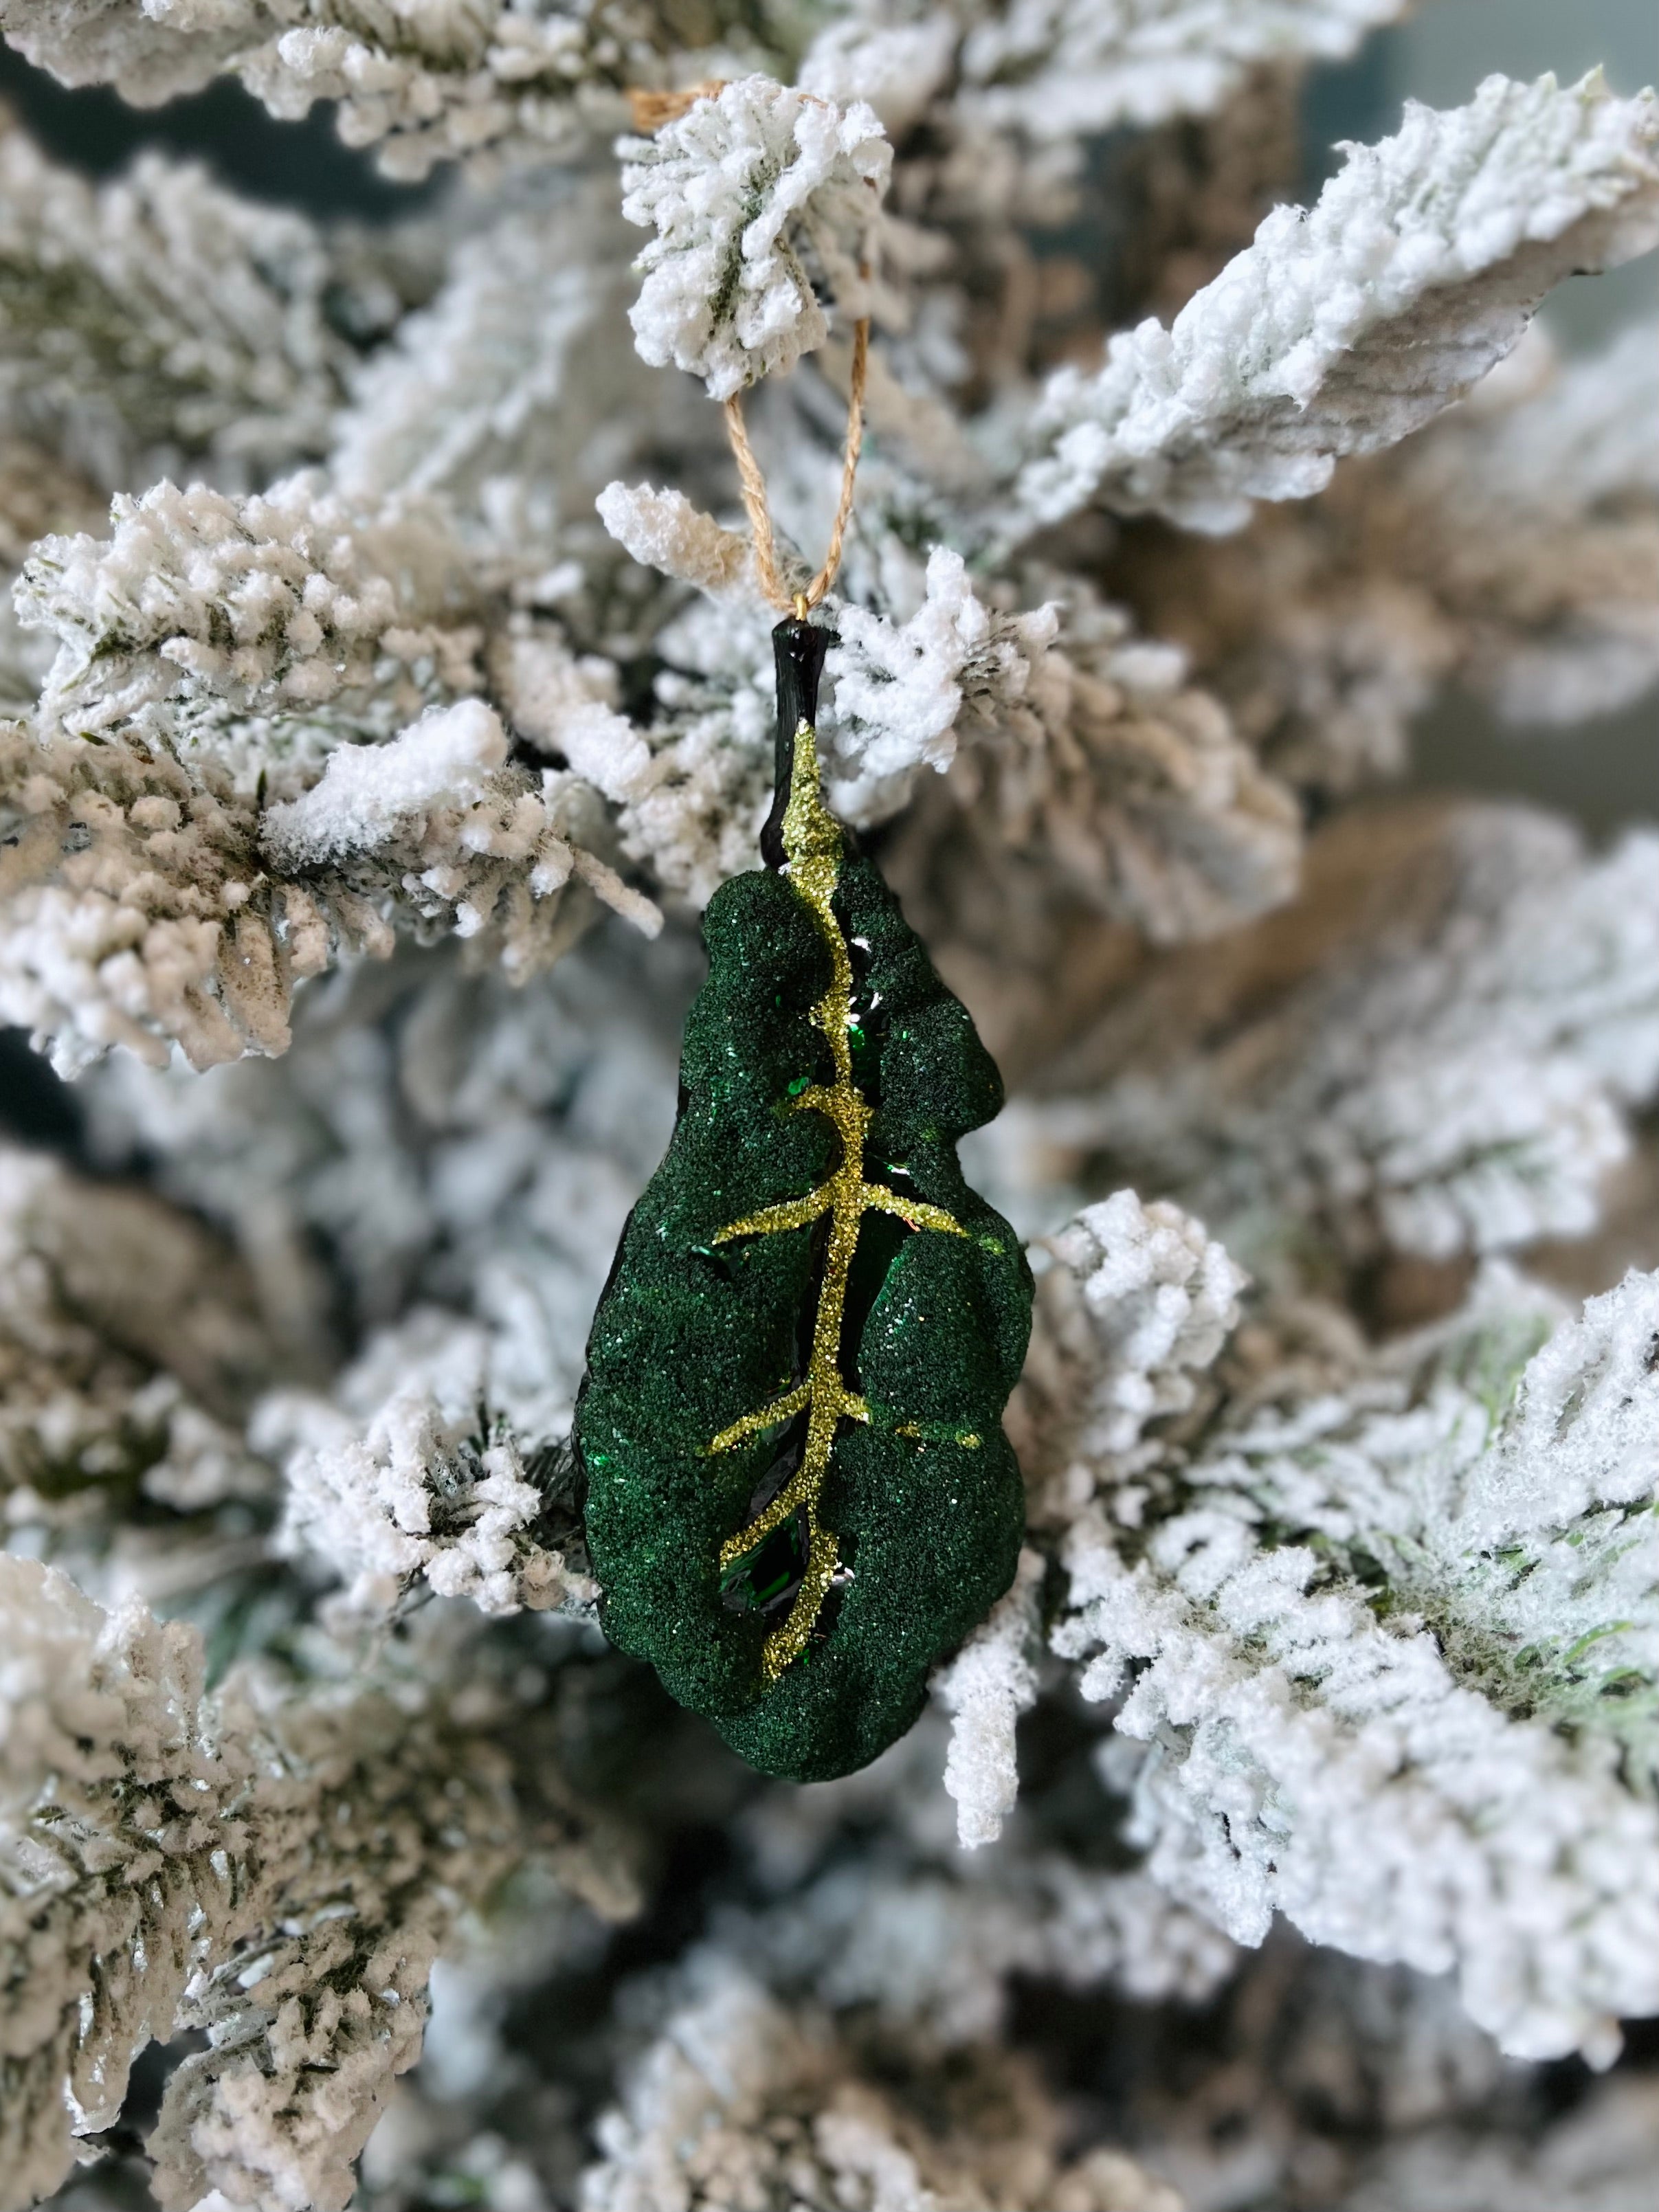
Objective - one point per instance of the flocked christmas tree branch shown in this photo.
(389, 686)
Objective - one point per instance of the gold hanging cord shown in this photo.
(651, 110)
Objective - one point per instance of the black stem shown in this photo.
(799, 650)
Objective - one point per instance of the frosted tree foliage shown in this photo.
(1061, 69)
(159, 321)
(762, 199)
(1292, 358)
(387, 687)
(1432, 1731)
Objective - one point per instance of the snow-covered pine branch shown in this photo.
(113, 1804)
(1343, 329)
(870, 52)
(932, 1944)
(537, 85)
(690, 787)
(662, 530)
(1321, 1624)
(233, 778)
(130, 1343)
(902, 687)
(1460, 1083)
(253, 629)
(384, 1821)
(276, 1864)
(441, 817)
(1055, 69)
(992, 1680)
(433, 1491)
(765, 203)
(159, 322)
(1513, 547)
(295, 1356)
(1070, 743)
(1127, 1325)
(736, 2099)
(479, 84)
(474, 1145)
(130, 913)
(1091, 755)
(513, 393)
(1540, 520)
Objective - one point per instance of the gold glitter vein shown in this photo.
(812, 843)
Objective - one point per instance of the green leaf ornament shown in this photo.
(800, 1497)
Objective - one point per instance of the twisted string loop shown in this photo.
(651, 112)
(753, 483)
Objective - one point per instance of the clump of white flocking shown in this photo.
(765, 203)
(900, 687)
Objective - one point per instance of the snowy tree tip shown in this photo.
(764, 202)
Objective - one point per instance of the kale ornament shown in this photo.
(799, 1495)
